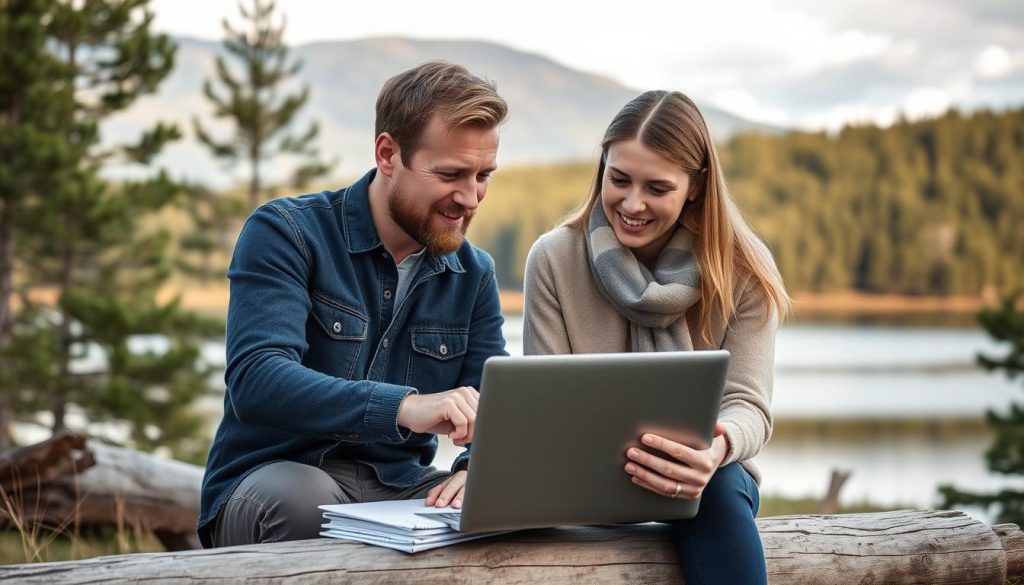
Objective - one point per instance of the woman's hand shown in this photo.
(683, 472)
(449, 492)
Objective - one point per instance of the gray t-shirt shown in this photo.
(407, 269)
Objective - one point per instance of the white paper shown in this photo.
(407, 547)
(393, 524)
(374, 528)
(397, 513)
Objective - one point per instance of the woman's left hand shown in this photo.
(683, 472)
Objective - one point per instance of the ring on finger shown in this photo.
(679, 488)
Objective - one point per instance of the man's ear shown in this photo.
(386, 153)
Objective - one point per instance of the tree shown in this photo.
(260, 117)
(33, 152)
(212, 215)
(1006, 455)
(87, 240)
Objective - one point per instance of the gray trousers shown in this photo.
(279, 501)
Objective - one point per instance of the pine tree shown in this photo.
(33, 154)
(260, 117)
(86, 239)
(202, 253)
(1006, 455)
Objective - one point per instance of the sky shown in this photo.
(799, 64)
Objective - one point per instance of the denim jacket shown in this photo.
(319, 358)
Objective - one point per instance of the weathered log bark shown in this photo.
(1013, 544)
(43, 462)
(68, 480)
(915, 546)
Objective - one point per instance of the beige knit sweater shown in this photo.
(566, 313)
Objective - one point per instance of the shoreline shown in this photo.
(843, 304)
(213, 300)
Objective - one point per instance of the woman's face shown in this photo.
(642, 194)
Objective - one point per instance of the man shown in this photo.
(359, 323)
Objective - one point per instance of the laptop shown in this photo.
(549, 446)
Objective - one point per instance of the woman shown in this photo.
(658, 258)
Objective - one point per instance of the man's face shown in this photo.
(434, 198)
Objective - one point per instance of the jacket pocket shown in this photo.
(436, 358)
(343, 332)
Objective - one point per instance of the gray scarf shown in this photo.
(654, 303)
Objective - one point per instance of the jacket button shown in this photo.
(387, 294)
(353, 436)
(385, 343)
(337, 327)
(444, 349)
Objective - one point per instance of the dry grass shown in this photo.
(30, 540)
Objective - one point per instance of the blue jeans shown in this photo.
(721, 543)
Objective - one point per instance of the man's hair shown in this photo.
(408, 101)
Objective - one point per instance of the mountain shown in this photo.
(556, 113)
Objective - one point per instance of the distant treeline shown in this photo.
(933, 207)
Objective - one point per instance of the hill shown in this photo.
(556, 113)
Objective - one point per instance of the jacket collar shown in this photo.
(361, 235)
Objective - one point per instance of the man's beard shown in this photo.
(437, 239)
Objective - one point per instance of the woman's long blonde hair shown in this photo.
(670, 124)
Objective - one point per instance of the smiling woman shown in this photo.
(658, 258)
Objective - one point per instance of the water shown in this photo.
(828, 376)
(837, 376)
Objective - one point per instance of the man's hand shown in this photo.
(450, 490)
(683, 472)
(451, 413)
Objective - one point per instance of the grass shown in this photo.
(63, 546)
(871, 429)
(33, 537)
(780, 506)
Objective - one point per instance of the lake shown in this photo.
(899, 406)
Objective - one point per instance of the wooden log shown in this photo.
(59, 455)
(910, 546)
(1013, 543)
(118, 487)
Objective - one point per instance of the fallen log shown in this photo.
(908, 546)
(70, 482)
(1013, 544)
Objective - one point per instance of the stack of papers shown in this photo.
(403, 525)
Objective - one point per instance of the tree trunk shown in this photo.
(255, 186)
(68, 481)
(58, 393)
(909, 546)
(8, 213)
(829, 503)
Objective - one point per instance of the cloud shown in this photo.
(993, 62)
(926, 102)
(800, 60)
(741, 103)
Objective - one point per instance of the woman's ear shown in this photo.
(697, 185)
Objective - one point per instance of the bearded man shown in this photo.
(358, 324)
